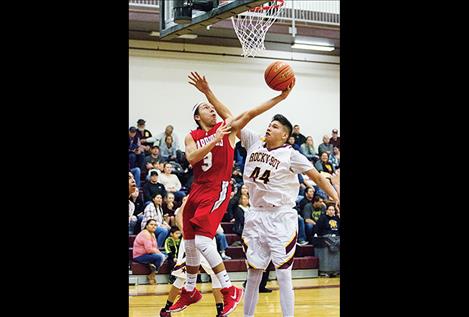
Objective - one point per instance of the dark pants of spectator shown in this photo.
(301, 229)
(309, 231)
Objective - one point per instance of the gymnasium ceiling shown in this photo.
(144, 21)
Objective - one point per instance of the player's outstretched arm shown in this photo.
(323, 183)
(243, 119)
(194, 154)
(201, 83)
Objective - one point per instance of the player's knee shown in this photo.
(208, 249)
(283, 275)
(192, 256)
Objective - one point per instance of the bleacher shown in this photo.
(305, 263)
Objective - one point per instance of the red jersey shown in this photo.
(217, 165)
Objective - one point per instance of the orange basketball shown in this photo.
(279, 75)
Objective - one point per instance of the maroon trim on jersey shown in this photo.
(291, 244)
(287, 264)
(278, 147)
(177, 267)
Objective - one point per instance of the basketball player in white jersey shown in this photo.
(270, 227)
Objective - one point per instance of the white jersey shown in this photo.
(271, 175)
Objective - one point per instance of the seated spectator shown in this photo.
(168, 150)
(143, 134)
(325, 146)
(169, 207)
(239, 211)
(136, 152)
(324, 165)
(335, 139)
(171, 182)
(222, 244)
(308, 150)
(240, 156)
(171, 246)
(154, 210)
(328, 223)
(291, 141)
(335, 158)
(234, 202)
(169, 131)
(137, 175)
(132, 218)
(311, 213)
(145, 249)
(153, 187)
(299, 138)
(137, 200)
(153, 157)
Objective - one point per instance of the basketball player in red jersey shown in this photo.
(210, 151)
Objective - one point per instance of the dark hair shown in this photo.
(308, 188)
(174, 229)
(196, 113)
(148, 222)
(155, 194)
(284, 121)
(316, 199)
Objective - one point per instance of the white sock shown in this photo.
(190, 282)
(251, 294)
(287, 296)
(224, 279)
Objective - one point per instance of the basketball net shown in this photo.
(252, 26)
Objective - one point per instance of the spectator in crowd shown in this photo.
(169, 207)
(308, 198)
(325, 146)
(152, 187)
(154, 210)
(335, 158)
(137, 199)
(291, 141)
(311, 213)
(239, 211)
(222, 243)
(132, 218)
(167, 149)
(324, 165)
(143, 134)
(299, 138)
(136, 152)
(171, 246)
(169, 131)
(335, 139)
(240, 156)
(145, 249)
(233, 204)
(308, 150)
(171, 182)
(153, 157)
(328, 223)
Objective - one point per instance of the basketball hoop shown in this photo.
(252, 26)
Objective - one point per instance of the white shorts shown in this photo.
(270, 235)
(180, 266)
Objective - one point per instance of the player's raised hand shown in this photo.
(198, 82)
(287, 91)
(222, 130)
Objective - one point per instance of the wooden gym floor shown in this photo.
(317, 297)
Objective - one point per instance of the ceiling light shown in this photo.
(313, 47)
(188, 36)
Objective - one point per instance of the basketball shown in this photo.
(279, 75)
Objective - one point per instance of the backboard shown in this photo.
(222, 9)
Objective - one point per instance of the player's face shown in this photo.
(208, 114)
(132, 184)
(275, 132)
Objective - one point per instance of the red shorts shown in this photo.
(204, 210)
